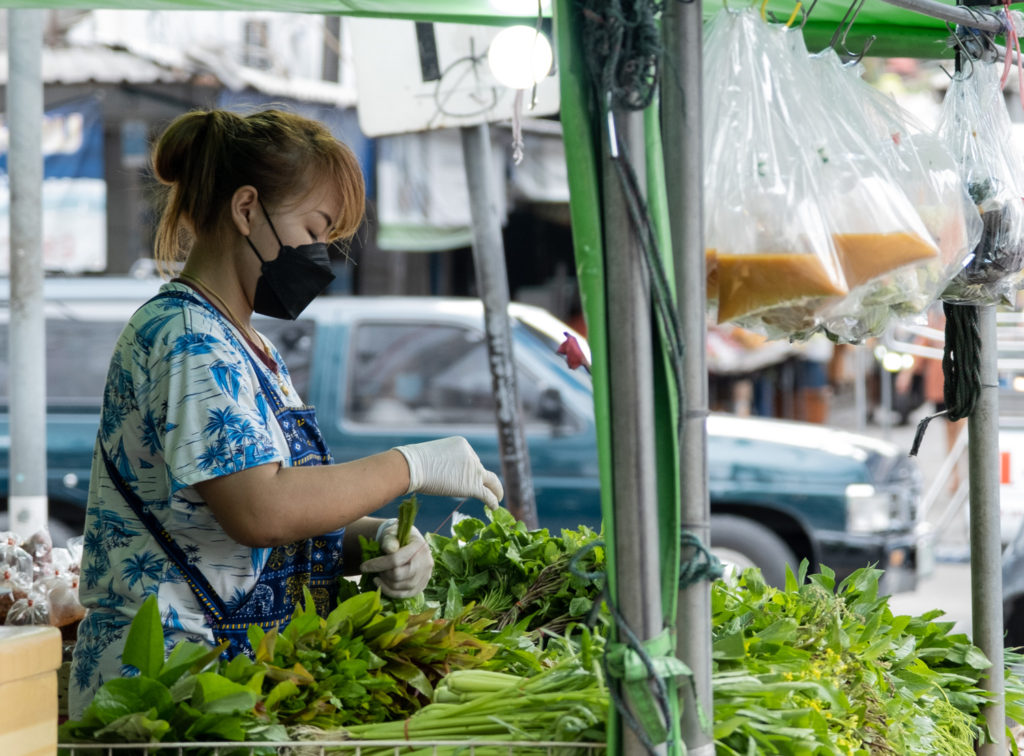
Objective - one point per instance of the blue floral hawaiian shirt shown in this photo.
(181, 405)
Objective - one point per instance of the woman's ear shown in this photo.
(244, 202)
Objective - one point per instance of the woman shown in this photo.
(211, 485)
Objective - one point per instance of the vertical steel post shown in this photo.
(986, 546)
(635, 485)
(860, 393)
(492, 286)
(27, 327)
(681, 94)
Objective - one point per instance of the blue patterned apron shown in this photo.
(315, 563)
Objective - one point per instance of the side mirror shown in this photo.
(550, 407)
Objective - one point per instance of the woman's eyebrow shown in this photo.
(326, 217)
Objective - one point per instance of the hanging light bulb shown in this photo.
(519, 57)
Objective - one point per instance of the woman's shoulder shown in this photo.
(173, 313)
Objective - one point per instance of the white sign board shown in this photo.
(414, 76)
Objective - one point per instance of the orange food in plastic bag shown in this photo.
(867, 256)
(748, 283)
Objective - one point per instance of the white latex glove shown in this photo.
(401, 572)
(450, 467)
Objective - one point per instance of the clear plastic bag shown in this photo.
(61, 594)
(31, 610)
(17, 560)
(772, 263)
(975, 127)
(880, 238)
(75, 546)
(40, 546)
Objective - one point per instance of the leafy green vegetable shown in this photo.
(508, 573)
(177, 699)
(818, 668)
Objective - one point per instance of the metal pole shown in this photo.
(860, 402)
(681, 126)
(632, 408)
(27, 331)
(976, 18)
(492, 286)
(885, 388)
(986, 547)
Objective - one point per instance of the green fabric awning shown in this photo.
(900, 33)
(453, 11)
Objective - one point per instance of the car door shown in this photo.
(408, 381)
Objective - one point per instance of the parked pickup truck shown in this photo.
(383, 371)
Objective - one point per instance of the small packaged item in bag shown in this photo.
(771, 259)
(975, 127)
(31, 610)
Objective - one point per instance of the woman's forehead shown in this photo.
(322, 198)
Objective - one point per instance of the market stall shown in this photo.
(632, 120)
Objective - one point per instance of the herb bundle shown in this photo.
(513, 575)
(823, 669)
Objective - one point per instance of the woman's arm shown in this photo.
(271, 505)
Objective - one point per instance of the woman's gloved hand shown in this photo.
(450, 467)
(402, 571)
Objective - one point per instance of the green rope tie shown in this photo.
(644, 668)
(702, 565)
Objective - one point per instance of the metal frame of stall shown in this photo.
(631, 441)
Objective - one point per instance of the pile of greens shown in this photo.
(513, 575)
(505, 645)
(359, 664)
(818, 668)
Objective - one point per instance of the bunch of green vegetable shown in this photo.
(364, 664)
(183, 698)
(370, 549)
(564, 703)
(359, 664)
(513, 575)
(817, 668)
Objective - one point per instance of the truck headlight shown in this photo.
(867, 509)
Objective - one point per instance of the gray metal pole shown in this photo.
(492, 286)
(860, 377)
(977, 18)
(632, 408)
(681, 131)
(27, 332)
(986, 548)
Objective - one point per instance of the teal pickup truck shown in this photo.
(383, 371)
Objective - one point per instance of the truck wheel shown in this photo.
(740, 543)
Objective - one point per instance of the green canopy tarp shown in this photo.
(899, 32)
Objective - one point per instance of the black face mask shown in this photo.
(291, 280)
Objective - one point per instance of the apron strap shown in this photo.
(201, 588)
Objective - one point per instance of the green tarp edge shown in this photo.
(445, 11)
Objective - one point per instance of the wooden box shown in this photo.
(29, 658)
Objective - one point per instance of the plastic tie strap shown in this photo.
(644, 669)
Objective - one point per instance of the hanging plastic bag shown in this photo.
(927, 173)
(975, 127)
(771, 260)
(878, 234)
